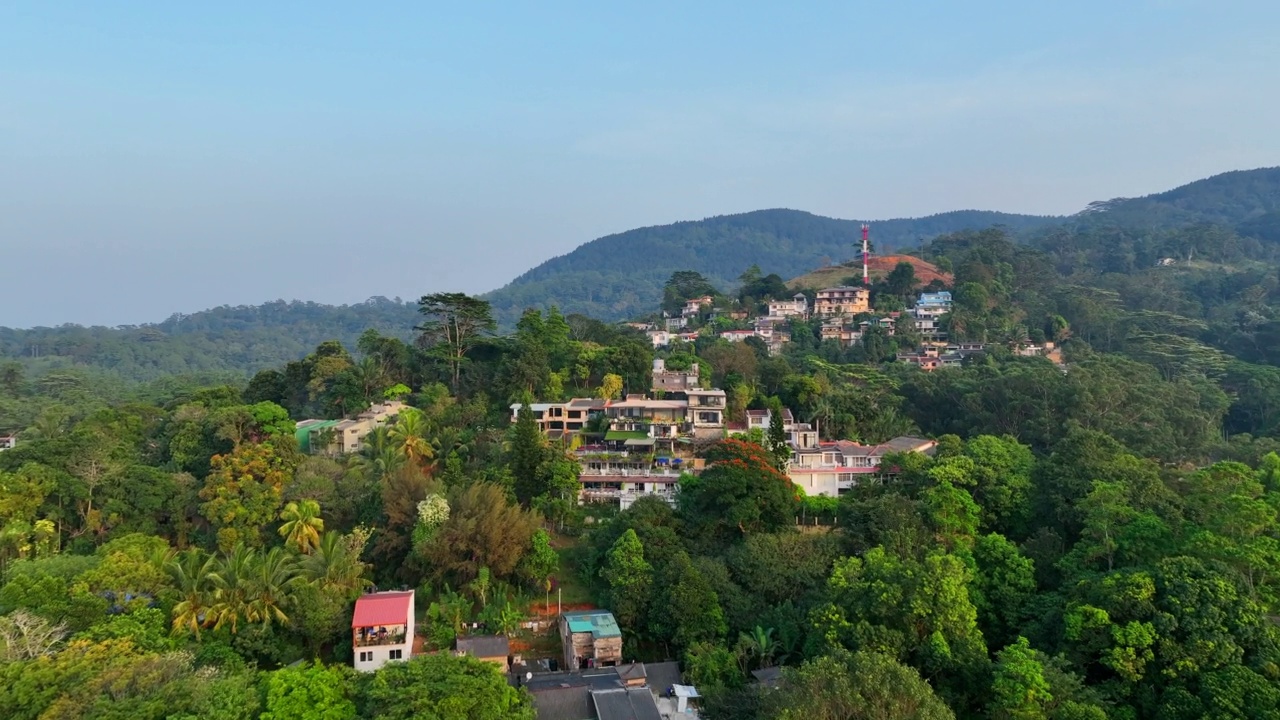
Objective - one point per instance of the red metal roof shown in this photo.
(384, 608)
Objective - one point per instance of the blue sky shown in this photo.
(168, 157)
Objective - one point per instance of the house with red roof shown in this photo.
(382, 629)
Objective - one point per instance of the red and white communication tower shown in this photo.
(866, 232)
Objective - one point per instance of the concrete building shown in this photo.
(843, 300)
(8, 441)
(832, 468)
(591, 639)
(343, 437)
(797, 306)
(673, 381)
(382, 629)
(566, 418)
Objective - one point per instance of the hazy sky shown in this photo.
(163, 157)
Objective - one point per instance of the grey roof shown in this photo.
(563, 703)
(629, 704)
(484, 646)
(598, 679)
(769, 677)
(662, 675)
(631, 671)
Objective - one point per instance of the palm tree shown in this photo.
(378, 459)
(231, 580)
(191, 572)
(302, 525)
(335, 566)
(274, 573)
(408, 434)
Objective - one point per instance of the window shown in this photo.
(396, 654)
(366, 657)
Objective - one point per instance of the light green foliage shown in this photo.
(711, 665)
(954, 515)
(1002, 588)
(919, 611)
(628, 578)
(310, 692)
(445, 687)
(685, 608)
(857, 686)
(1020, 688)
(541, 562)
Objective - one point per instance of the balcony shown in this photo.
(367, 637)
(630, 472)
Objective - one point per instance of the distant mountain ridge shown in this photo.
(1233, 198)
(611, 278)
(620, 275)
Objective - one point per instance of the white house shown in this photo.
(797, 306)
(834, 467)
(8, 442)
(382, 629)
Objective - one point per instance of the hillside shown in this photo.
(240, 340)
(878, 266)
(1233, 198)
(621, 275)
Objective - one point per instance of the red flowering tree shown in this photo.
(740, 494)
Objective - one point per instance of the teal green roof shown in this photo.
(625, 435)
(303, 434)
(599, 623)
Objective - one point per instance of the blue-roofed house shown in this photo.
(935, 302)
(591, 638)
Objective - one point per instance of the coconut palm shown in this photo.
(409, 435)
(302, 525)
(378, 458)
(273, 575)
(335, 566)
(191, 573)
(232, 579)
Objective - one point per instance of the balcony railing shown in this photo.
(631, 472)
(378, 641)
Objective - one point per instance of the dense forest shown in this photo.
(1096, 539)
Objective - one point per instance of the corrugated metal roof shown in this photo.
(602, 623)
(384, 608)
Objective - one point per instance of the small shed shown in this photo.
(490, 648)
(684, 693)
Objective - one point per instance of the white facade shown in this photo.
(378, 637)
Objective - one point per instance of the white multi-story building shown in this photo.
(797, 306)
(382, 629)
(832, 468)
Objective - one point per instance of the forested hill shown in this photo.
(620, 275)
(239, 340)
(1234, 198)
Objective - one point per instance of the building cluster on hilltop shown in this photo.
(642, 444)
(845, 314)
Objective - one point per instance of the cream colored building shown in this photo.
(844, 300)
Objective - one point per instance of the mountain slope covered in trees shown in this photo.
(620, 275)
(1235, 216)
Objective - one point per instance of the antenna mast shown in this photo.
(866, 278)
